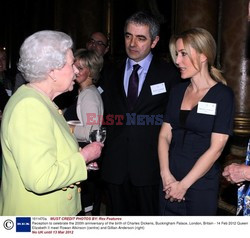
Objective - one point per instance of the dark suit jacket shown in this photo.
(131, 150)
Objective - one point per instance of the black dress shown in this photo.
(191, 135)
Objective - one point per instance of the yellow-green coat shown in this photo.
(41, 159)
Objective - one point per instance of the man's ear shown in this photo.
(106, 50)
(155, 41)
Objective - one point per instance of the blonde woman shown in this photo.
(89, 111)
(89, 108)
(198, 122)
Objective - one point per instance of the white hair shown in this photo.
(42, 52)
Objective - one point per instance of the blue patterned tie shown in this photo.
(133, 86)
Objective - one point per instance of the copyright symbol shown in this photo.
(8, 224)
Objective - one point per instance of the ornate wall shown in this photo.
(196, 13)
(235, 62)
(80, 18)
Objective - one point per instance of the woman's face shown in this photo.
(83, 71)
(183, 61)
(65, 76)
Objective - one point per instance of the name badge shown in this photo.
(207, 108)
(100, 90)
(9, 92)
(158, 88)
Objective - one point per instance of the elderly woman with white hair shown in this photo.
(42, 162)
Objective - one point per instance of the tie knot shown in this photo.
(136, 67)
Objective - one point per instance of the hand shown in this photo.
(72, 128)
(175, 191)
(91, 151)
(234, 173)
(166, 180)
(92, 166)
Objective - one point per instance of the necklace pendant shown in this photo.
(60, 111)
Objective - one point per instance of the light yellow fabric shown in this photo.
(40, 157)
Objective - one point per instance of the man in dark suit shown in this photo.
(130, 164)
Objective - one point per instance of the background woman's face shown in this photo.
(83, 71)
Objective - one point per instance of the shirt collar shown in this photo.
(143, 63)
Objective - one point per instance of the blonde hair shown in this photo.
(202, 42)
(92, 60)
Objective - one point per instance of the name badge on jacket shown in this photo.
(100, 90)
(207, 108)
(158, 88)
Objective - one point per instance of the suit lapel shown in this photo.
(120, 86)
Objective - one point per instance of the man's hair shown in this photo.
(143, 18)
